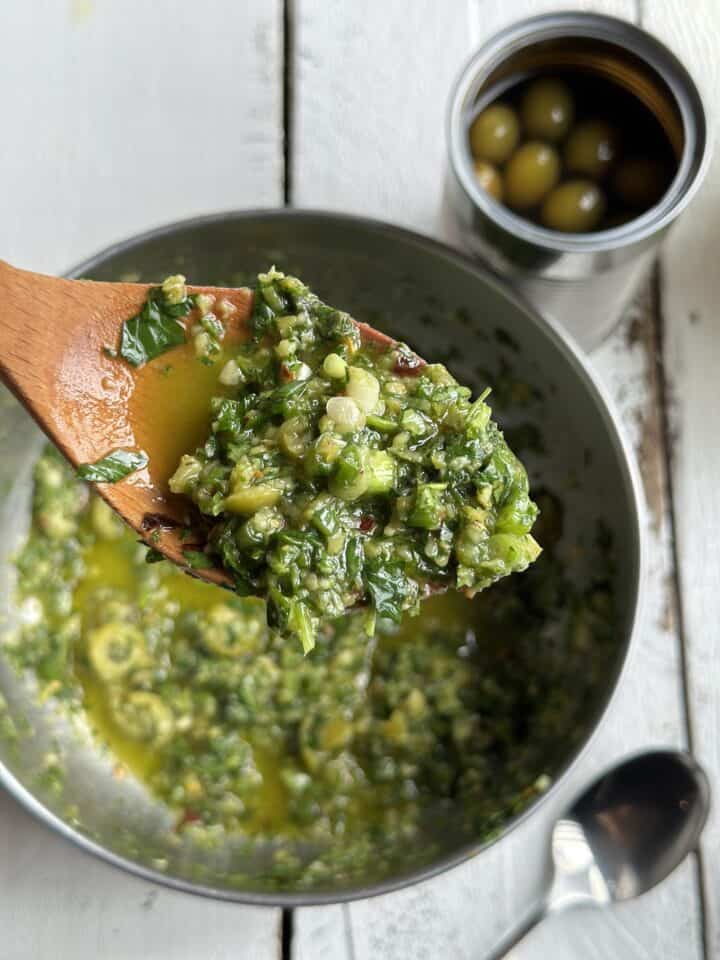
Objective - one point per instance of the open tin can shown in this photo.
(583, 279)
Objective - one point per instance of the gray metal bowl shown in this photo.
(444, 305)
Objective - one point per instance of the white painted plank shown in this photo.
(117, 117)
(370, 90)
(322, 933)
(122, 116)
(691, 294)
(370, 85)
(56, 901)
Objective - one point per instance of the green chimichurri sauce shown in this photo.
(453, 717)
(341, 472)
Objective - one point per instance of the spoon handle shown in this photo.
(519, 932)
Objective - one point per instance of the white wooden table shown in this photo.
(118, 116)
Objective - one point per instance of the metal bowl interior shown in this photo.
(446, 307)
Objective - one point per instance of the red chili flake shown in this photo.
(431, 588)
(188, 816)
(367, 524)
(408, 364)
(158, 521)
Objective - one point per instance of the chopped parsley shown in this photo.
(115, 466)
(158, 326)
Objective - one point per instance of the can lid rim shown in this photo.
(696, 150)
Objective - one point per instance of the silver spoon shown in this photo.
(623, 835)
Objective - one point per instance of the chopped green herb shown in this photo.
(198, 560)
(340, 473)
(157, 327)
(389, 588)
(115, 466)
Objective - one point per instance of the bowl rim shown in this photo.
(633, 487)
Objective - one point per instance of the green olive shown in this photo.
(248, 500)
(294, 437)
(494, 133)
(590, 149)
(576, 206)
(114, 650)
(489, 179)
(640, 181)
(547, 110)
(233, 632)
(531, 173)
(143, 716)
(322, 736)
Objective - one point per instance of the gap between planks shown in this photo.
(288, 39)
(664, 401)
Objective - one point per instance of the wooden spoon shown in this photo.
(53, 343)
